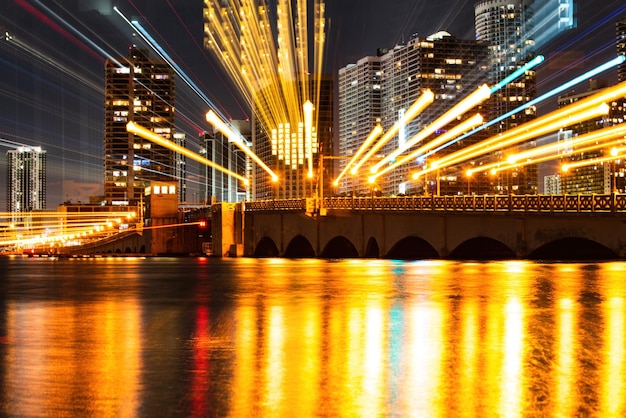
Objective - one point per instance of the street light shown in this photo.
(565, 170)
(468, 174)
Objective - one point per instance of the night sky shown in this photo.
(52, 84)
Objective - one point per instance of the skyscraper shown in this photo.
(595, 178)
(360, 110)
(218, 185)
(26, 179)
(620, 29)
(141, 90)
(506, 26)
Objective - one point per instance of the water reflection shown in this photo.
(244, 337)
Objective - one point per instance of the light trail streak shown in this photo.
(57, 28)
(452, 133)
(366, 144)
(308, 133)
(616, 154)
(47, 229)
(517, 73)
(577, 80)
(157, 139)
(214, 120)
(478, 96)
(568, 115)
(525, 132)
(600, 139)
(52, 62)
(270, 65)
(422, 102)
(202, 51)
(11, 144)
(149, 40)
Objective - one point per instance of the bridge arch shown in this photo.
(339, 247)
(372, 250)
(412, 248)
(482, 248)
(299, 247)
(573, 249)
(266, 248)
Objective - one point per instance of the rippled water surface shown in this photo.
(271, 337)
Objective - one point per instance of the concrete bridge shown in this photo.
(576, 227)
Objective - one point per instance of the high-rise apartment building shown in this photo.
(217, 185)
(506, 26)
(140, 89)
(360, 110)
(595, 178)
(620, 29)
(380, 90)
(180, 167)
(26, 179)
(604, 177)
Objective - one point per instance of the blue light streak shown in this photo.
(79, 34)
(532, 63)
(165, 56)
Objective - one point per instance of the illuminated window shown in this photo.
(172, 189)
(157, 189)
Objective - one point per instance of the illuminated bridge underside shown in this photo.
(482, 227)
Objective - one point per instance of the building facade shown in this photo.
(26, 179)
(141, 90)
(620, 41)
(360, 110)
(380, 90)
(507, 27)
(218, 186)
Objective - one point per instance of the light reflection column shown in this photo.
(374, 364)
(512, 367)
(613, 393)
(566, 366)
(274, 366)
(469, 351)
(423, 360)
(243, 390)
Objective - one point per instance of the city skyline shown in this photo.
(53, 79)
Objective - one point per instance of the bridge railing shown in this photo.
(485, 203)
(276, 204)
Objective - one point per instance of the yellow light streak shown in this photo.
(591, 161)
(308, 133)
(422, 102)
(269, 63)
(378, 129)
(552, 151)
(63, 214)
(213, 119)
(157, 139)
(478, 96)
(565, 116)
(458, 130)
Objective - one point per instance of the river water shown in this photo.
(161, 337)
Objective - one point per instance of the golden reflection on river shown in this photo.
(327, 338)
